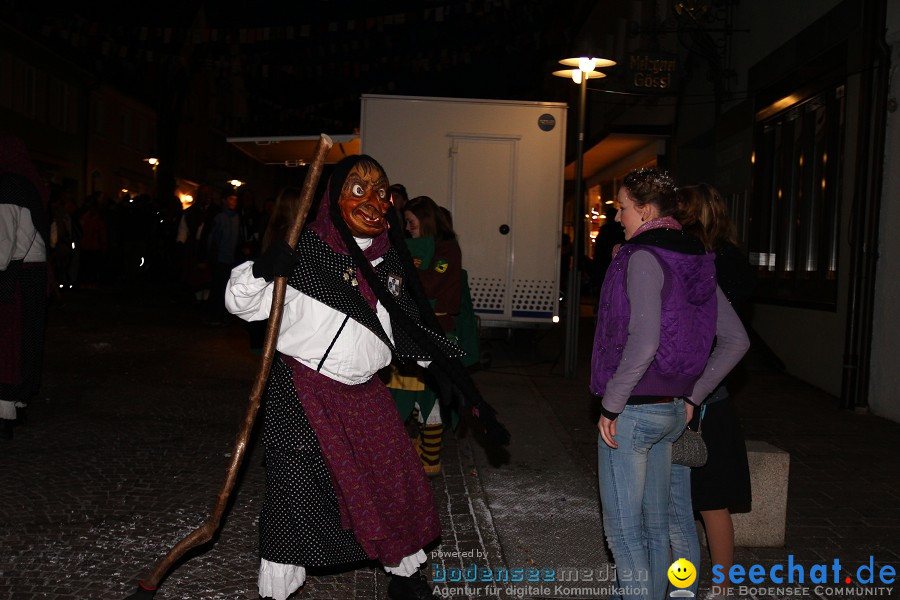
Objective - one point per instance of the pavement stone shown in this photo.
(127, 445)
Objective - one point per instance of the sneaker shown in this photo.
(414, 587)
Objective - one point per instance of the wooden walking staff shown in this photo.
(147, 587)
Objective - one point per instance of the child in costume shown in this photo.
(438, 258)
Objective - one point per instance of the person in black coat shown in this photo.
(723, 483)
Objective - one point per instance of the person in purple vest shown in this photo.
(659, 312)
(723, 483)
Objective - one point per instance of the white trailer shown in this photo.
(498, 167)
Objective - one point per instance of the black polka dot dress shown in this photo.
(343, 462)
(300, 523)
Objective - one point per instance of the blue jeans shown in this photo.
(634, 490)
(682, 529)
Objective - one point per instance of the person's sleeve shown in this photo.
(443, 280)
(731, 345)
(644, 283)
(183, 231)
(9, 223)
(249, 297)
(212, 241)
(422, 251)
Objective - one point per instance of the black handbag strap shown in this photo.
(699, 413)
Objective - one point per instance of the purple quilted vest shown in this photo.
(687, 324)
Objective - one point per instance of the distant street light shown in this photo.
(585, 68)
(236, 183)
(154, 163)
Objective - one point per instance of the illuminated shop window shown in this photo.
(795, 213)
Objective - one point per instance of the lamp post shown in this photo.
(154, 164)
(585, 68)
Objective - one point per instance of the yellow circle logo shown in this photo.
(682, 573)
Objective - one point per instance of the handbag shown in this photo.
(690, 449)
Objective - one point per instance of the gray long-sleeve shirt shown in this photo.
(645, 282)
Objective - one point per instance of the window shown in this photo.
(6, 79)
(126, 132)
(29, 100)
(795, 213)
(55, 91)
(99, 110)
(142, 143)
(66, 119)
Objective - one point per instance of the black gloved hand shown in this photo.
(463, 398)
(443, 388)
(277, 261)
(494, 430)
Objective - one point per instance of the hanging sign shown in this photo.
(651, 72)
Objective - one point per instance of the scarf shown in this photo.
(324, 226)
(667, 222)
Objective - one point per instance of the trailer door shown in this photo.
(482, 188)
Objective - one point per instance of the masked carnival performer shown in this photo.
(343, 483)
(24, 236)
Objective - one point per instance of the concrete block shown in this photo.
(764, 525)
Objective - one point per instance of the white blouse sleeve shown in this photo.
(249, 297)
(318, 336)
(9, 224)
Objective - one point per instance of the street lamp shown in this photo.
(585, 68)
(154, 164)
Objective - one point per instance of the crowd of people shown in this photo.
(667, 333)
(376, 335)
(129, 238)
(102, 240)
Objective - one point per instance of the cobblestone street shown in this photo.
(126, 449)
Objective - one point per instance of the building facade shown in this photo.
(790, 112)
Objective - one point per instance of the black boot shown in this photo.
(414, 587)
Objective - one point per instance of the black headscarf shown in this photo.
(456, 388)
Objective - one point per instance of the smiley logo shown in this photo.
(682, 573)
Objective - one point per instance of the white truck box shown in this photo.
(498, 167)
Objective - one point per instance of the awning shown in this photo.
(295, 151)
(634, 136)
(614, 149)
